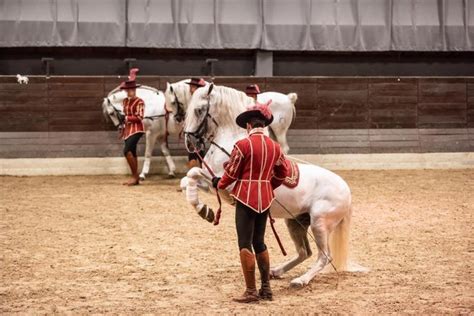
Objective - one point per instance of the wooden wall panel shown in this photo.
(393, 103)
(23, 107)
(307, 112)
(470, 103)
(72, 144)
(334, 115)
(342, 103)
(75, 103)
(442, 103)
(240, 83)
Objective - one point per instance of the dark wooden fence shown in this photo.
(61, 116)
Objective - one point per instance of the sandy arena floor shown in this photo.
(88, 244)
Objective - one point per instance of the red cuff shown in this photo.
(133, 119)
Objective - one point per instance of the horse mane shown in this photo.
(230, 103)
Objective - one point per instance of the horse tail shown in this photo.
(293, 98)
(339, 243)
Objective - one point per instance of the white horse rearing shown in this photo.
(158, 121)
(321, 200)
(283, 108)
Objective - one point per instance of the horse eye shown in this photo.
(198, 112)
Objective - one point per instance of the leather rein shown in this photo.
(198, 134)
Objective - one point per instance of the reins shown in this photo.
(199, 134)
(219, 211)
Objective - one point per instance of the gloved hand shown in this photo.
(215, 182)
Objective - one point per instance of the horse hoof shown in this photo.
(142, 177)
(171, 175)
(297, 283)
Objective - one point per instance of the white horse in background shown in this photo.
(178, 96)
(22, 79)
(321, 201)
(158, 122)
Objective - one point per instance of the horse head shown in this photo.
(111, 113)
(200, 122)
(174, 103)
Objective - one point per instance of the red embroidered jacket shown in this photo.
(257, 164)
(133, 109)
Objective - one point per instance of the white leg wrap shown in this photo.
(192, 192)
(146, 166)
(171, 165)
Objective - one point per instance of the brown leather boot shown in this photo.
(247, 260)
(133, 164)
(263, 261)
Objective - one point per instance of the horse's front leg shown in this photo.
(151, 137)
(169, 161)
(191, 182)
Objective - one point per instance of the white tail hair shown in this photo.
(339, 246)
(293, 97)
(339, 243)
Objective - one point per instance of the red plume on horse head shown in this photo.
(133, 74)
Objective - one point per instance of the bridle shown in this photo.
(201, 130)
(180, 112)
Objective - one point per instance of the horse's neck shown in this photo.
(231, 103)
(225, 139)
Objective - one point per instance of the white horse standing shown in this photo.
(321, 200)
(283, 108)
(158, 121)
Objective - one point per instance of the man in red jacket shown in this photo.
(257, 166)
(133, 108)
(252, 91)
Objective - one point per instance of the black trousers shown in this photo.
(131, 144)
(250, 228)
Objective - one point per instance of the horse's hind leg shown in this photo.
(298, 231)
(321, 233)
(169, 161)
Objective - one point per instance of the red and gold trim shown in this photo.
(133, 109)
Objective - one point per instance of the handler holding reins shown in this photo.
(257, 165)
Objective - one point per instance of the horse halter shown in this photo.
(180, 112)
(202, 129)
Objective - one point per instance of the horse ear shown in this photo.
(211, 86)
(170, 88)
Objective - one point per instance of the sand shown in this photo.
(91, 245)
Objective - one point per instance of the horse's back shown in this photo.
(276, 97)
(315, 183)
